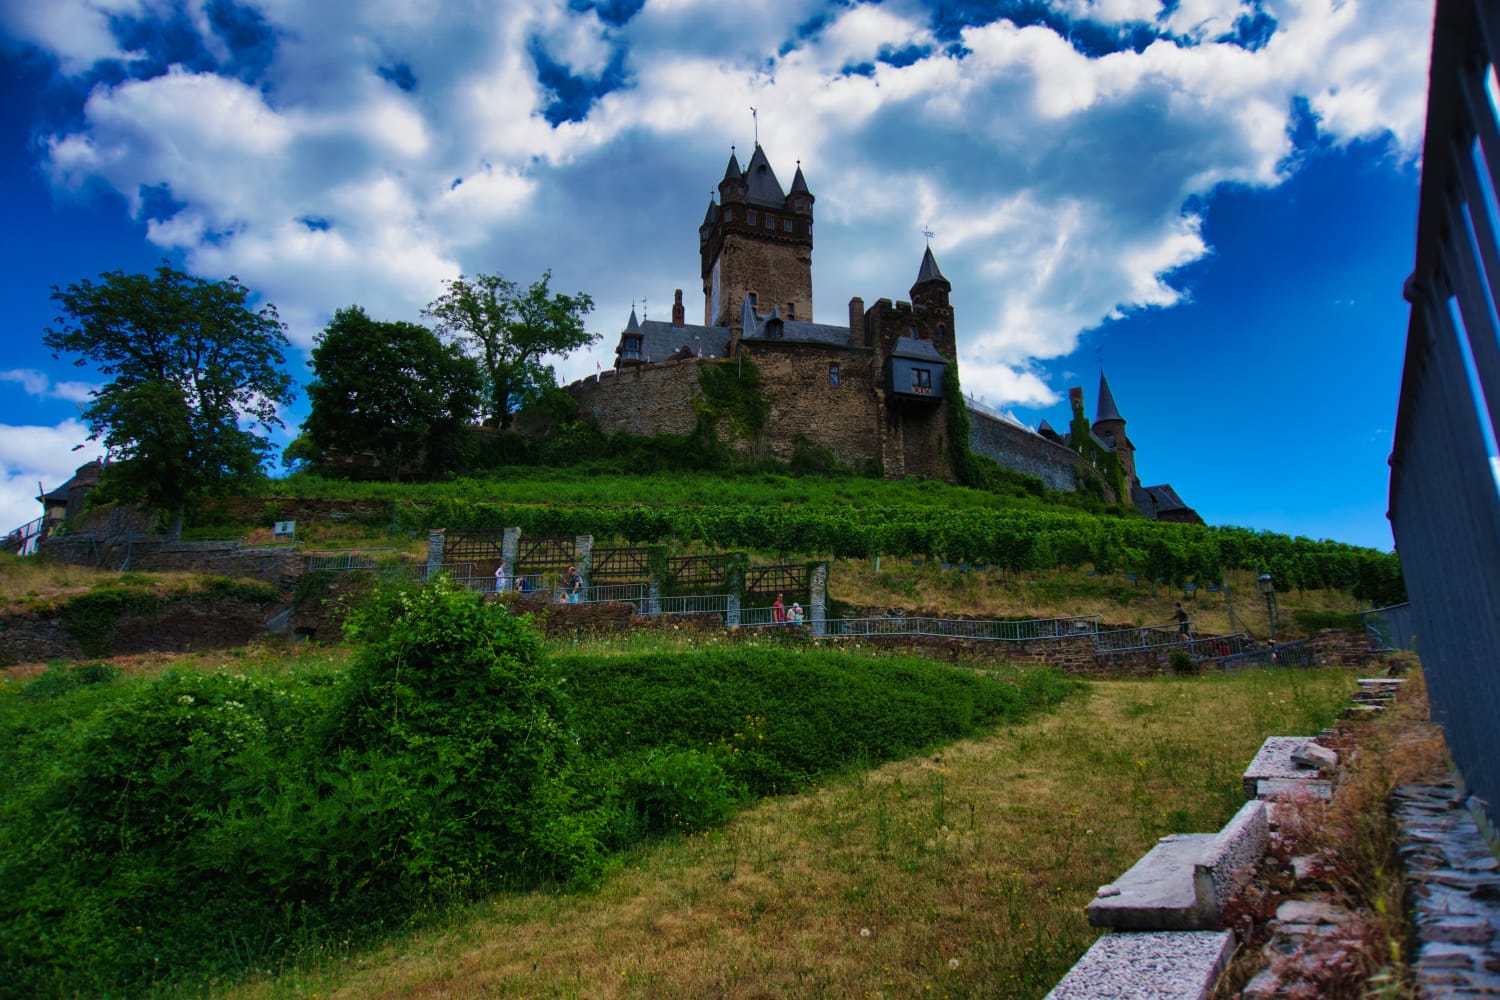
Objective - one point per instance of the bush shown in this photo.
(677, 790)
(1182, 663)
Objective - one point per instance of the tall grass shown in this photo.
(959, 872)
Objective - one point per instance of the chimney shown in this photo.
(678, 314)
(856, 320)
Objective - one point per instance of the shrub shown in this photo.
(1182, 663)
(672, 789)
(59, 678)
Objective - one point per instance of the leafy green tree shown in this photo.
(392, 390)
(509, 330)
(191, 366)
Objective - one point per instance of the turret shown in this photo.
(1110, 427)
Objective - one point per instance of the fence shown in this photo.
(1390, 629)
(1444, 503)
(955, 628)
(343, 562)
(1290, 654)
(23, 540)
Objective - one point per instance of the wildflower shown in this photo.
(952, 963)
(864, 932)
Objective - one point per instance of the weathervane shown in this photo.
(755, 116)
(929, 234)
(643, 309)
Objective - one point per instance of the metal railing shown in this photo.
(1389, 629)
(690, 604)
(26, 537)
(957, 628)
(1144, 637)
(343, 562)
(1444, 501)
(1288, 654)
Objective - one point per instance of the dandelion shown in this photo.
(864, 932)
(952, 963)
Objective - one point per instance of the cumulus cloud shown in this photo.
(39, 384)
(384, 147)
(33, 455)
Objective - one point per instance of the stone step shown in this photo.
(1154, 965)
(1184, 881)
(1277, 761)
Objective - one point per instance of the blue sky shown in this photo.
(1214, 199)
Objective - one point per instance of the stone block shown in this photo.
(1184, 881)
(1318, 758)
(1275, 760)
(1166, 965)
(1272, 789)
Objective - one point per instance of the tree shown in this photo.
(509, 331)
(191, 366)
(390, 389)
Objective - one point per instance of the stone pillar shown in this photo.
(817, 598)
(732, 612)
(583, 551)
(653, 598)
(435, 540)
(510, 545)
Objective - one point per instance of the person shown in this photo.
(574, 585)
(1182, 621)
(523, 584)
(502, 578)
(794, 616)
(778, 611)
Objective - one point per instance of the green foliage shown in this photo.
(59, 678)
(188, 363)
(508, 331)
(732, 401)
(251, 591)
(392, 390)
(960, 458)
(781, 718)
(92, 618)
(675, 790)
(1182, 663)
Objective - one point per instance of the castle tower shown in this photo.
(757, 241)
(932, 314)
(1110, 426)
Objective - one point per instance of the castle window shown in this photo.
(750, 216)
(751, 297)
(921, 381)
(791, 310)
(770, 222)
(786, 225)
(833, 374)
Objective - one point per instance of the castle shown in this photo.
(875, 390)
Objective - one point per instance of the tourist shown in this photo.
(778, 611)
(794, 616)
(573, 586)
(1182, 621)
(502, 578)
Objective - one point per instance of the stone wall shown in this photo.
(1022, 451)
(642, 399)
(842, 418)
(777, 272)
(181, 625)
(281, 568)
(303, 510)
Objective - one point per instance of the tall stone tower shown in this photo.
(1110, 426)
(757, 241)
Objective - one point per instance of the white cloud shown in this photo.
(1060, 185)
(39, 384)
(32, 455)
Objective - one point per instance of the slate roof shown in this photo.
(1107, 409)
(929, 269)
(760, 179)
(792, 329)
(921, 350)
(1165, 497)
(660, 341)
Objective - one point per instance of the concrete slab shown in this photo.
(1274, 761)
(1230, 860)
(1159, 892)
(1162, 965)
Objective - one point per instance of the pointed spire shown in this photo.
(732, 172)
(632, 326)
(764, 188)
(799, 183)
(929, 269)
(1107, 409)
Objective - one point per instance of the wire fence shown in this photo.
(959, 628)
(1288, 654)
(1390, 629)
